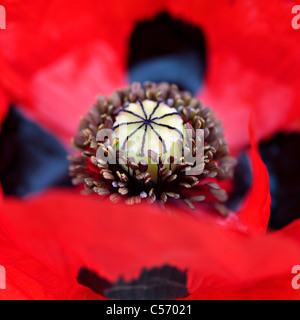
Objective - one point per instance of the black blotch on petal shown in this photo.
(242, 181)
(90, 279)
(281, 156)
(164, 49)
(30, 158)
(163, 283)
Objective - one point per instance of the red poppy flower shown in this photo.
(56, 59)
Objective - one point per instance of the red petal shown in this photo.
(61, 54)
(64, 91)
(28, 278)
(66, 232)
(256, 211)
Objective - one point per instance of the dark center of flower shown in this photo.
(153, 149)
